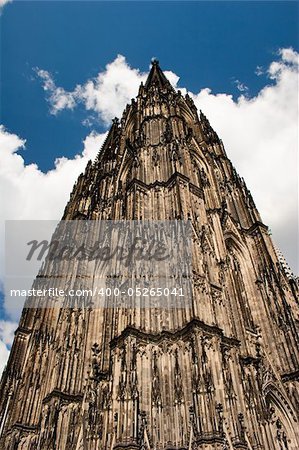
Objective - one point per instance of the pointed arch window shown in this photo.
(281, 419)
(239, 286)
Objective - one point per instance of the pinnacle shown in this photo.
(156, 76)
(154, 61)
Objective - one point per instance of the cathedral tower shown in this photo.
(222, 374)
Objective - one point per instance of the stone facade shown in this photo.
(220, 375)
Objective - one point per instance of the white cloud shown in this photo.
(261, 138)
(3, 3)
(241, 86)
(7, 329)
(58, 98)
(289, 55)
(4, 353)
(107, 94)
(18, 181)
(111, 90)
(259, 71)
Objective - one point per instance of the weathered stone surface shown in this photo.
(220, 375)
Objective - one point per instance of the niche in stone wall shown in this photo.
(200, 171)
(240, 279)
(154, 130)
(281, 420)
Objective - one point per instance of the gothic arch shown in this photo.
(202, 171)
(281, 419)
(232, 239)
(130, 123)
(241, 278)
(187, 114)
(126, 166)
(273, 393)
(199, 160)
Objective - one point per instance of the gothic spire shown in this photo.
(121, 371)
(157, 77)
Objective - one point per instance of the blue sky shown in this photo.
(208, 44)
(238, 60)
